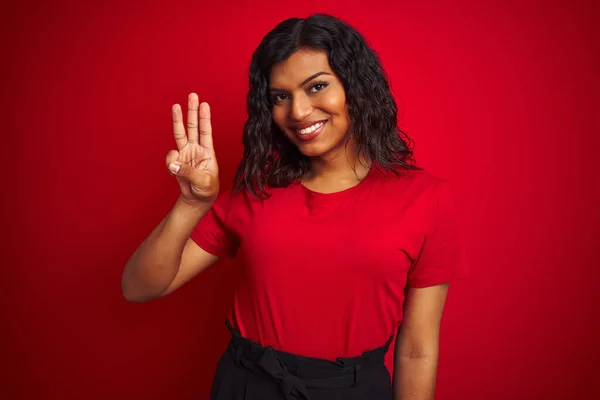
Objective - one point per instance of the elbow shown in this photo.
(138, 287)
(132, 298)
(135, 297)
(129, 292)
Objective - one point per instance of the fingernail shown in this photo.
(174, 167)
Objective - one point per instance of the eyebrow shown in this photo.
(304, 82)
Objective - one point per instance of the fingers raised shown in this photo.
(192, 118)
(206, 139)
(199, 128)
(178, 130)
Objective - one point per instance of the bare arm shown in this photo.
(417, 346)
(167, 258)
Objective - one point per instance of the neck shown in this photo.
(345, 165)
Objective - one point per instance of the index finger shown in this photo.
(206, 139)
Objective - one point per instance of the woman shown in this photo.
(342, 238)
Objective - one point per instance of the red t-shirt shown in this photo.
(324, 274)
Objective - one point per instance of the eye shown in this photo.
(278, 98)
(318, 86)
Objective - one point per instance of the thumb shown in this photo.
(178, 168)
(172, 157)
(174, 167)
(182, 170)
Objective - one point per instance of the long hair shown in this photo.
(270, 159)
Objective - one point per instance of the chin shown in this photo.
(312, 150)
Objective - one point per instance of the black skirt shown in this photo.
(250, 371)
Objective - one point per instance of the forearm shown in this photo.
(155, 263)
(415, 376)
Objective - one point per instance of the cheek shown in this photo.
(335, 103)
(278, 114)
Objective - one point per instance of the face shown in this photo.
(309, 104)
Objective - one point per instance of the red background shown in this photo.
(500, 98)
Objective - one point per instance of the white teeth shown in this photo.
(310, 128)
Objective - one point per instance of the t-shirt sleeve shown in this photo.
(442, 256)
(213, 233)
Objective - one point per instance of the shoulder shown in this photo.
(240, 201)
(417, 182)
(230, 198)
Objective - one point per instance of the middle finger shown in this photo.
(192, 118)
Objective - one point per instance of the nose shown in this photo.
(301, 107)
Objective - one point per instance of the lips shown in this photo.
(309, 131)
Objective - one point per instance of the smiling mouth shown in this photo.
(310, 132)
(310, 129)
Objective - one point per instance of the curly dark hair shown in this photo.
(269, 158)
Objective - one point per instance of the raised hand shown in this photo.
(194, 163)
